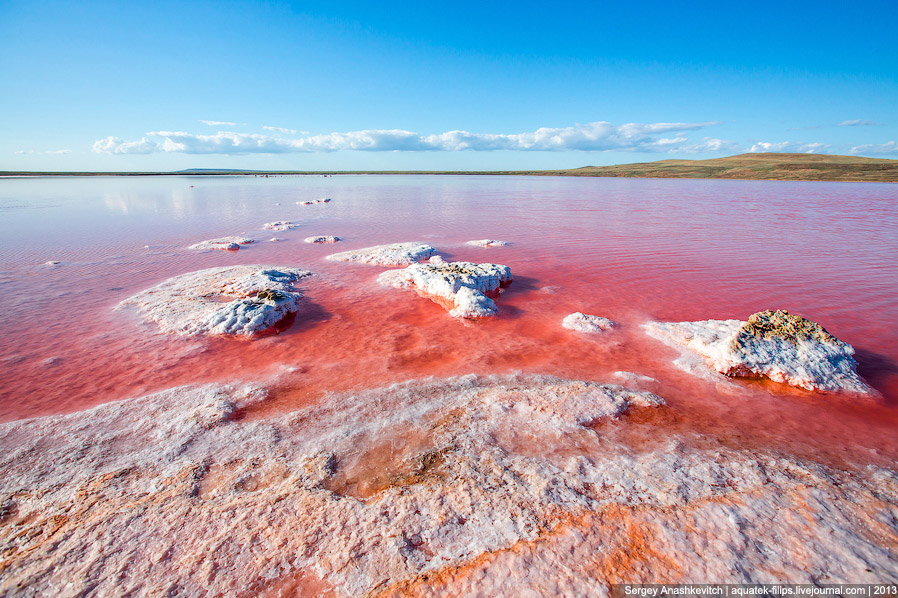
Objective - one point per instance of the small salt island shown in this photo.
(580, 322)
(232, 300)
(231, 243)
(323, 239)
(778, 345)
(395, 254)
(461, 287)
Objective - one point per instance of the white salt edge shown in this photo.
(221, 300)
(160, 491)
(808, 363)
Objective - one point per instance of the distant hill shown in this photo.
(770, 166)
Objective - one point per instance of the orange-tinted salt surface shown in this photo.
(628, 249)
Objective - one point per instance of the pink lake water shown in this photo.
(632, 250)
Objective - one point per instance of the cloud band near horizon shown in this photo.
(596, 136)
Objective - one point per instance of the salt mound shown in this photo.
(396, 254)
(488, 243)
(322, 239)
(581, 322)
(229, 243)
(242, 300)
(497, 485)
(279, 225)
(461, 287)
(309, 203)
(778, 345)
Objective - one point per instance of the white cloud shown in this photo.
(706, 146)
(218, 123)
(890, 147)
(789, 147)
(46, 153)
(281, 130)
(858, 123)
(114, 145)
(596, 136)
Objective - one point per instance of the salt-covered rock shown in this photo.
(242, 300)
(461, 287)
(775, 344)
(323, 239)
(279, 225)
(275, 239)
(581, 322)
(313, 202)
(495, 486)
(488, 243)
(227, 243)
(52, 263)
(396, 254)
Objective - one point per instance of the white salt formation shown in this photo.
(243, 300)
(309, 203)
(322, 239)
(279, 225)
(228, 243)
(581, 322)
(497, 486)
(461, 287)
(778, 345)
(488, 243)
(397, 254)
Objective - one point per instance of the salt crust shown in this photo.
(242, 300)
(396, 254)
(230, 243)
(488, 243)
(322, 239)
(805, 363)
(309, 203)
(581, 322)
(176, 494)
(462, 284)
(279, 225)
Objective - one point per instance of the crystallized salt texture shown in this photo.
(777, 345)
(322, 239)
(229, 243)
(581, 322)
(488, 243)
(279, 225)
(396, 254)
(242, 300)
(452, 487)
(462, 286)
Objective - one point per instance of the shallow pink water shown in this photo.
(628, 249)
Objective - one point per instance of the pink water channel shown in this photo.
(632, 250)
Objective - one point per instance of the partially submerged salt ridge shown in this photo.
(586, 323)
(775, 344)
(499, 485)
(228, 243)
(279, 225)
(461, 287)
(395, 254)
(322, 239)
(232, 300)
(487, 243)
(313, 202)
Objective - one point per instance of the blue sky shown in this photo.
(460, 85)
